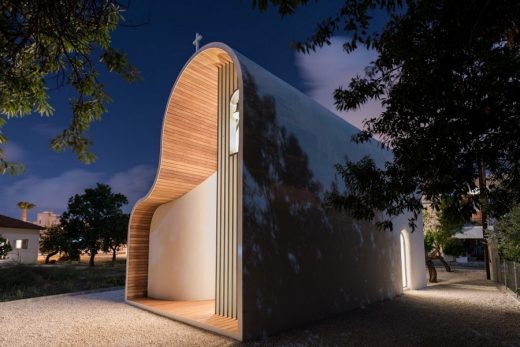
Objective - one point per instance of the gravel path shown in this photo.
(100, 319)
(462, 310)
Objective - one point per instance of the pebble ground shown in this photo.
(463, 309)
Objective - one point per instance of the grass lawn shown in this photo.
(27, 281)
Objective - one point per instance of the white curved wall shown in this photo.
(182, 255)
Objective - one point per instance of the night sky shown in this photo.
(126, 141)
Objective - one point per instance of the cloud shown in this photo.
(52, 193)
(133, 183)
(14, 152)
(330, 67)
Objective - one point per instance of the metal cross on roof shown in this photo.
(198, 37)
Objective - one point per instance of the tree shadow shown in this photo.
(300, 261)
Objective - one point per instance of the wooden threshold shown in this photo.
(198, 313)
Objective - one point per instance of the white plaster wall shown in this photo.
(24, 256)
(182, 256)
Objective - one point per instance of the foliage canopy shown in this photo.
(508, 228)
(25, 205)
(56, 240)
(5, 247)
(93, 217)
(48, 44)
(448, 76)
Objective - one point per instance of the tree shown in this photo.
(116, 236)
(5, 247)
(46, 45)
(56, 240)
(434, 239)
(25, 206)
(508, 228)
(448, 76)
(92, 216)
(439, 228)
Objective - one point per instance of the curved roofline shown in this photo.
(238, 68)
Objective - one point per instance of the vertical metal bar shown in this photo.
(219, 105)
(226, 226)
(223, 206)
(230, 221)
(231, 204)
(223, 190)
(501, 270)
(219, 211)
(516, 277)
(235, 216)
(505, 273)
(230, 245)
(230, 201)
(235, 246)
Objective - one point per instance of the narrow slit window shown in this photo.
(234, 122)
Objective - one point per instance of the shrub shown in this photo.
(453, 246)
(508, 229)
(429, 239)
(5, 248)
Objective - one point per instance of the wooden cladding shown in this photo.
(188, 155)
(227, 199)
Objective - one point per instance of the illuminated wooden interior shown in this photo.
(188, 157)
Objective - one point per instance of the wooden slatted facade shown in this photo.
(227, 196)
(188, 155)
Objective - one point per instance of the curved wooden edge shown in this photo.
(188, 155)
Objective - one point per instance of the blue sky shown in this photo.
(126, 141)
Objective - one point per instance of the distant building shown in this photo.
(47, 219)
(473, 236)
(24, 238)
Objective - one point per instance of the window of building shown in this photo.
(234, 122)
(21, 244)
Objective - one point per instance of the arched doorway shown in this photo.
(404, 260)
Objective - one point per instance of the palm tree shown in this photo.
(25, 206)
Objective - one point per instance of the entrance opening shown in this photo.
(404, 261)
(184, 233)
